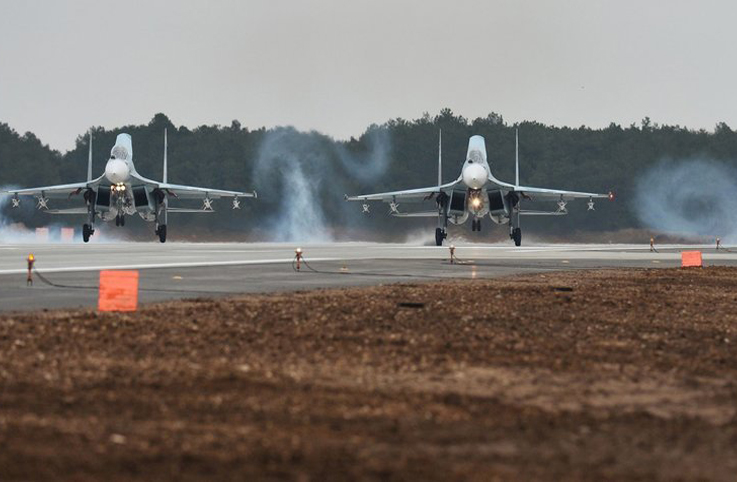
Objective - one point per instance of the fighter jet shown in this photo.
(476, 194)
(121, 191)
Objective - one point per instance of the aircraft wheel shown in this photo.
(478, 225)
(517, 236)
(117, 220)
(86, 233)
(122, 220)
(439, 236)
(162, 233)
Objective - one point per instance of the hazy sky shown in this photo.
(338, 65)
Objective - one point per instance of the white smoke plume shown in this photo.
(371, 165)
(300, 174)
(17, 232)
(9, 230)
(695, 197)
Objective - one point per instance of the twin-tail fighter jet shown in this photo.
(122, 192)
(477, 193)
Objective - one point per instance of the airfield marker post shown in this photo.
(298, 254)
(31, 259)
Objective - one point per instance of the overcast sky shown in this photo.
(337, 65)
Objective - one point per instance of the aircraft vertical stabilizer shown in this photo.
(440, 158)
(516, 157)
(165, 176)
(89, 161)
(476, 149)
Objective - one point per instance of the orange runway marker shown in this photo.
(118, 291)
(691, 259)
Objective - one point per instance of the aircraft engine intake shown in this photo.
(457, 212)
(498, 204)
(140, 196)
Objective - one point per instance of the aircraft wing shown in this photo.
(192, 192)
(66, 211)
(422, 214)
(543, 194)
(58, 191)
(409, 195)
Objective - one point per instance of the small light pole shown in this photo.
(298, 254)
(31, 259)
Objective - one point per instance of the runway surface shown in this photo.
(188, 270)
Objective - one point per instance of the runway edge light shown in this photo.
(298, 256)
(31, 259)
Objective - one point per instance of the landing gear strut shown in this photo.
(514, 230)
(441, 232)
(161, 211)
(89, 229)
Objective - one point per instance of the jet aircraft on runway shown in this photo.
(122, 192)
(477, 193)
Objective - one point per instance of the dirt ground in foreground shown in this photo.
(595, 375)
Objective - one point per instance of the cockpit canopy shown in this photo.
(475, 156)
(119, 152)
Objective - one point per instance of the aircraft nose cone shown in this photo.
(116, 171)
(474, 176)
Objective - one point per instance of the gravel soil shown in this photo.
(596, 375)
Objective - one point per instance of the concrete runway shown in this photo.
(185, 270)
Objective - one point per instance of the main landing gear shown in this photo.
(441, 232)
(514, 230)
(516, 235)
(120, 220)
(476, 225)
(440, 235)
(161, 233)
(87, 231)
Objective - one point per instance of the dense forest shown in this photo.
(301, 177)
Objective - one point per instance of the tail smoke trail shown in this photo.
(694, 197)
